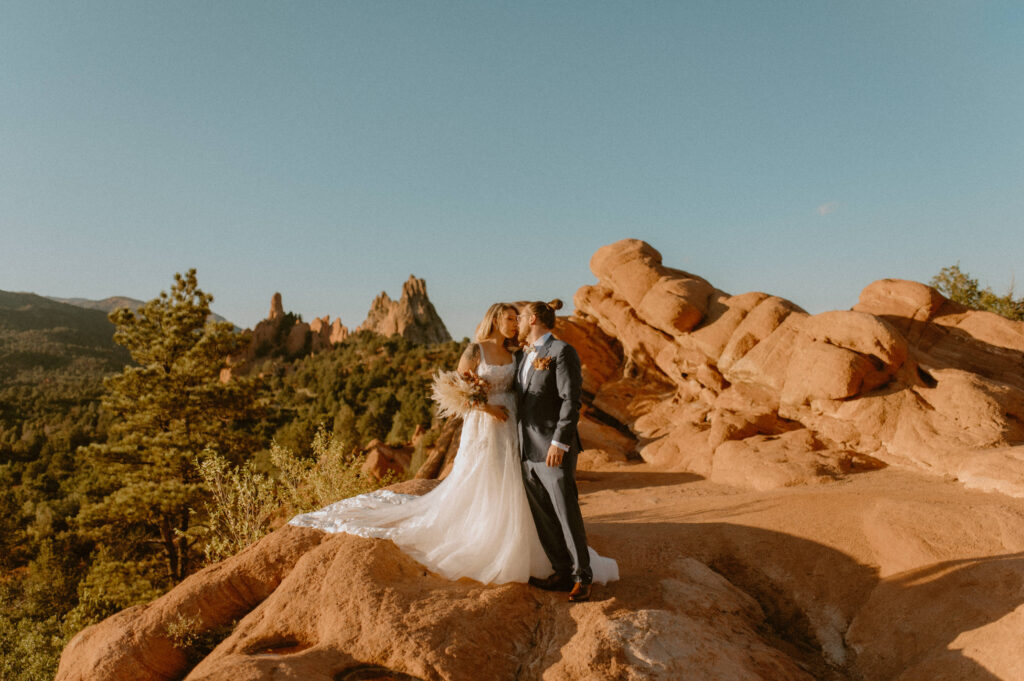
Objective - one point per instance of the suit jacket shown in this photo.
(549, 402)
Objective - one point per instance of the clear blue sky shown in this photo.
(327, 150)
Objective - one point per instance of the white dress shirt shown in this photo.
(532, 355)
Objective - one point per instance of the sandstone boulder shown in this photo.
(596, 434)
(820, 371)
(685, 447)
(593, 459)
(943, 334)
(767, 363)
(906, 377)
(670, 300)
(383, 461)
(753, 327)
(600, 355)
(641, 343)
(862, 333)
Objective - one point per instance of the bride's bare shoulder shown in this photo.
(470, 358)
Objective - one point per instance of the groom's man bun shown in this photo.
(545, 311)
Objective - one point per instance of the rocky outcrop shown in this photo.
(413, 316)
(281, 334)
(326, 333)
(441, 456)
(892, 575)
(284, 335)
(276, 308)
(316, 606)
(753, 391)
(383, 462)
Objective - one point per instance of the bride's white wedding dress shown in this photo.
(476, 523)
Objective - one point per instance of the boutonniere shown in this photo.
(542, 363)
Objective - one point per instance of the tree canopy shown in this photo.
(960, 287)
(166, 408)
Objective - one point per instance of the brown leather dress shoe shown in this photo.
(555, 582)
(580, 592)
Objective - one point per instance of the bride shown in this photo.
(476, 522)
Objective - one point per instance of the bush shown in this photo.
(242, 504)
(331, 474)
(245, 503)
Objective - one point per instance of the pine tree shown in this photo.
(166, 409)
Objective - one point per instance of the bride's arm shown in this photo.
(470, 359)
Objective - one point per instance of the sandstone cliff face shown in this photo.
(763, 394)
(413, 316)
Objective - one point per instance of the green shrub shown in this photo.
(245, 503)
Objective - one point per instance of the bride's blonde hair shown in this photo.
(489, 324)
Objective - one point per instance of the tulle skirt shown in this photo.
(476, 523)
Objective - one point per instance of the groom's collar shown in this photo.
(542, 340)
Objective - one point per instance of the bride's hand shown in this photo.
(497, 411)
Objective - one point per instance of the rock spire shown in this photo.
(413, 316)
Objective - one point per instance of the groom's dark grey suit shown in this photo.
(548, 411)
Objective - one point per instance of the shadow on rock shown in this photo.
(832, 614)
(598, 480)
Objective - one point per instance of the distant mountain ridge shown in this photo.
(112, 303)
(39, 333)
(107, 305)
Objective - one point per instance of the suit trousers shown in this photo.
(554, 501)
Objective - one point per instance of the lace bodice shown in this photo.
(498, 375)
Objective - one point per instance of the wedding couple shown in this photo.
(508, 511)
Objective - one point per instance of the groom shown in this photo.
(548, 383)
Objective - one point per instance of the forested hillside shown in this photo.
(38, 333)
(63, 562)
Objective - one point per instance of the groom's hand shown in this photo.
(555, 456)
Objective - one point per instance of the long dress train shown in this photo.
(476, 523)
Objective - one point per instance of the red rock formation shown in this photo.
(413, 316)
(441, 456)
(382, 460)
(322, 607)
(339, 332)
(892, 575)
(907, 377)
(276, 307)
(270, 338)
(325, 333)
